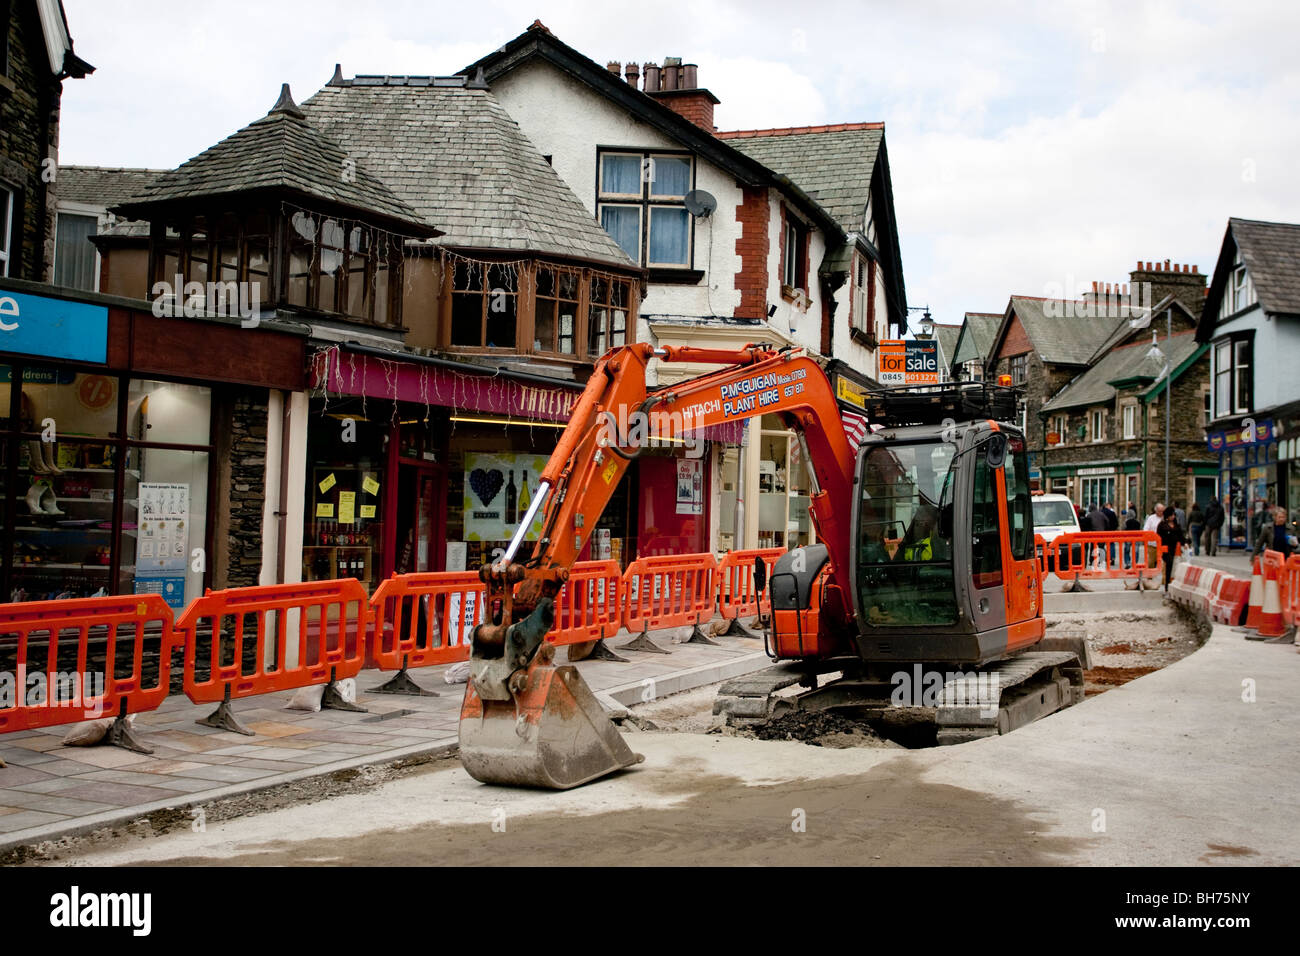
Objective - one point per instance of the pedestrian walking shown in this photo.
(1213, 522)
(1273, 535)
(1112, 524)
(1195, 525)
(1171, 537)
(1131, 523)
(1153, 524)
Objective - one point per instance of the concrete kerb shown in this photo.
(618, 699)
(110, 818)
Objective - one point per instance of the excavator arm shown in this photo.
(511, 674)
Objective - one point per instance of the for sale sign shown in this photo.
(910, 362)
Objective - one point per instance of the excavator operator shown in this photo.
(921, 543)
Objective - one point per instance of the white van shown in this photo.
(1054, 515)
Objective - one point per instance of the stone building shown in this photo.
(35, 58)
(1045, 344)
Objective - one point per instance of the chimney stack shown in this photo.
(614, 67)
(676, 86)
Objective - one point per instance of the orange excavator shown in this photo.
(923, 590)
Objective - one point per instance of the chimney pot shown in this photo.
(1195, 270)
(614, 67)
(668, 79)
(689, 77)
(652, 77)
(633, 73)
(1148, 265)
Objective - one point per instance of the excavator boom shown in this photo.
(515, 699)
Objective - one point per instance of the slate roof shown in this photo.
(282, 150)
(102, 185)
(1271, 251)
(832, 164)
(947, 336)
(1094, 387)
(979, 329)
(457, 157)
(1060, 331)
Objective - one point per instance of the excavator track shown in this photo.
(994, 699)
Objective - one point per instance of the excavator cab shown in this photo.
(937, 594)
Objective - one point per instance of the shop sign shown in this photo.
(1087, 472)
(849, 392)
(498, 490)
(1251, 432)
(40, 375)
(908, 362)
(57, 328)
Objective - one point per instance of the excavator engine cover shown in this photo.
(552, 733)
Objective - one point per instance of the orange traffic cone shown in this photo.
(1270, 614)
(1256, 604)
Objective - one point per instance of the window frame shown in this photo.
(794, 255)
(1226, 380)
(1018, 365)
(79, 213)
(6, 228)
(1097, 425)
(645, 200)
(1129, 415)
(559, 272)
(485, 294)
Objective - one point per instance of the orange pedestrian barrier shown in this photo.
(590, 605)
(1270, 613)
(62, 662)
(1256, 603)
(1290, 581)
(1125, 555)
(737, 594)
(669, 590)
(243, 642)
(421, 620)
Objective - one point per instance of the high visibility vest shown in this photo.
(921, 551)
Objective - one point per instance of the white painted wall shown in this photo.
(1277, 343)
(568, 121)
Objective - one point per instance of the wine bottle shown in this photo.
(512, 493)
(525, 496)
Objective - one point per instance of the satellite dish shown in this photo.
(700, 204)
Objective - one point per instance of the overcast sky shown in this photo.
(1031, 146)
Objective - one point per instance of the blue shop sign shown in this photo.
(56, 328)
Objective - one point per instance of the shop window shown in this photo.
(95, 511)
(75, 259)
(343, 529)
(556, 311)
(607, 314)
(641, 205)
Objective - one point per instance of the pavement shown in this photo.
(50, 790)
(1189, 765)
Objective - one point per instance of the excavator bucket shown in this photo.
(552, 733)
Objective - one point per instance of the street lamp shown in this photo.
(1155, 353)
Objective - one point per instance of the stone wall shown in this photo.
(29, 123)
(241, 488)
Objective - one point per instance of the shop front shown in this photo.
(430, 465)
(1248, 478)
(115, 428)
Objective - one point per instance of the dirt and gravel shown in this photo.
(1124, 645)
